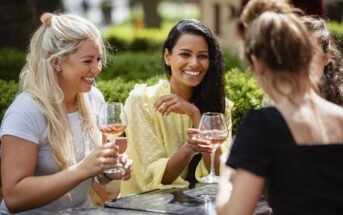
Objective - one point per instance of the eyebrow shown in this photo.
(183, 49)
(87, 56)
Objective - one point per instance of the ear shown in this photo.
(328, 56)
(166, 56)
(258, 65)
(55, 62)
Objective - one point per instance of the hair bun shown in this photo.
(46, 19)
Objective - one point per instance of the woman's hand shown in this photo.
(197, 145)
(174, 103)
(124, 163)
(101, 158)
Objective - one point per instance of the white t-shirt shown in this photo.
(25, 120)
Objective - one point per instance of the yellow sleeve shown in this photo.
(201, 170)
(145, 146)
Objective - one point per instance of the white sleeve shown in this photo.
(23, 119)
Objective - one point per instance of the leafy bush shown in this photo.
(242, 89)
(117, 90)
(127, 38)
(336, 30)
(132, 66)
(9, 90)
(231, 60)
(11, 63)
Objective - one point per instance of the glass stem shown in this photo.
(212, 173)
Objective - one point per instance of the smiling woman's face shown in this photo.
(78, 71)
(189, 60)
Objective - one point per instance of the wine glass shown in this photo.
(112, 122)
(213, 128)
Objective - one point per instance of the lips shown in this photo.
(88, 80)
(192, 73)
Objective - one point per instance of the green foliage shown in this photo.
(231, 60)
(336, 30)
(126, 38)
(132, 66)
(9, 90)
(117, 90)
(11, 63)
(242, 89)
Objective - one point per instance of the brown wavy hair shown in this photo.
(331, 82)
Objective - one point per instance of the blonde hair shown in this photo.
(59, 36)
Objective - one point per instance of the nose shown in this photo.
(96, 68)
(194, 62)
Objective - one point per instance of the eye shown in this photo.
(98, 59)
(87, 61)
(185, 54)
(203, 56)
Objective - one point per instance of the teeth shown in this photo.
(88, 79)
(192, 73)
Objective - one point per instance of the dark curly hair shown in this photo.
(330, 85)
(209, 95)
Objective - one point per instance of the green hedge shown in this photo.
(337, 32)
(127, 38)
(8, 89)
(132, 66)
(241, 88)
(11, 62)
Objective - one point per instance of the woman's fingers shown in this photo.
(166, 106)
(162, 100)
(199, 145)
(192, 132)
(127, 166)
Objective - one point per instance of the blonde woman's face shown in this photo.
(189, 60)
(78, 71)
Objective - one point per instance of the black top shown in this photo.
(300, 179)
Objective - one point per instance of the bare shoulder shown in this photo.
(333, 115)
(333, 110)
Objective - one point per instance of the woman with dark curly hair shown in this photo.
(160, 115)
(328, 59)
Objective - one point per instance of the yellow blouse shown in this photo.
(153, 139)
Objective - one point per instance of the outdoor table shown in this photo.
(198, 200)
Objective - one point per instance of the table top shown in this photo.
(100, 211)
(198, 200)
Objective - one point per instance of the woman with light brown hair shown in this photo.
(293, 149)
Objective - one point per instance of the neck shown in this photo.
(297, 89)
(71, 103)
(181, 90)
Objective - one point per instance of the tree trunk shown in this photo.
(151, 17)
(17, 22)
(20, 18)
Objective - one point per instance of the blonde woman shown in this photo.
(51, 147)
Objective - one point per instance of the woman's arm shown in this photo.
(238, 191)
(23, 191)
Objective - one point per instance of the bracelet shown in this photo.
(108, 178)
